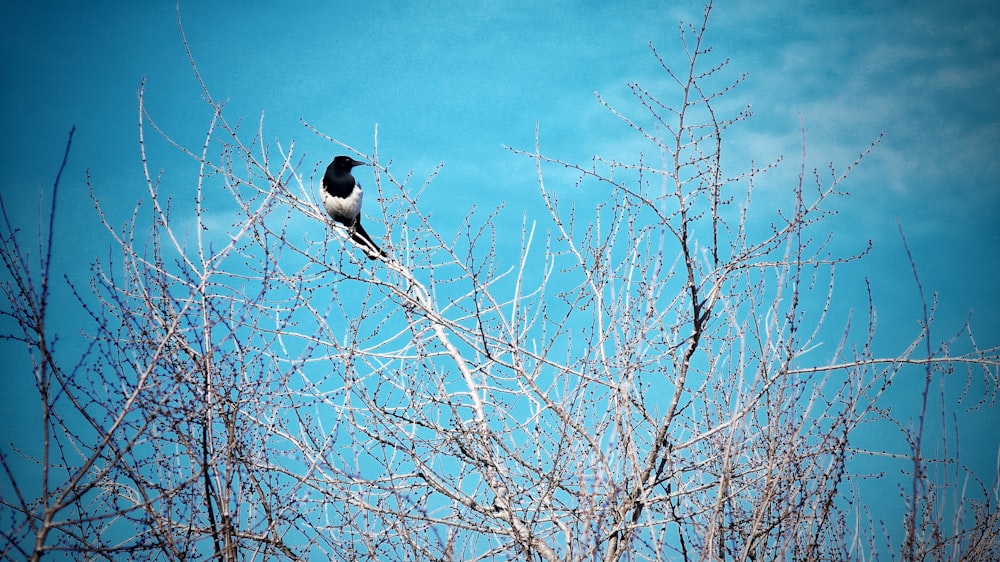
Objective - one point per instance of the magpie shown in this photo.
(341, 196)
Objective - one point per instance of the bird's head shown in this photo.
(345, 163)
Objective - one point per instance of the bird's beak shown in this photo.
(356, 163)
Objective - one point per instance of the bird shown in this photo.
(341, 195)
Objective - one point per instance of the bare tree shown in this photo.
(646, 382)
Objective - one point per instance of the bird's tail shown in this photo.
(368, 246)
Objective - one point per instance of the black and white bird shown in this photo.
(341, 196)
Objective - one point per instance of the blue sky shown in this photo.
(454, 82)
(451, 84)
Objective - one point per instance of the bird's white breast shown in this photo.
(343, 207)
